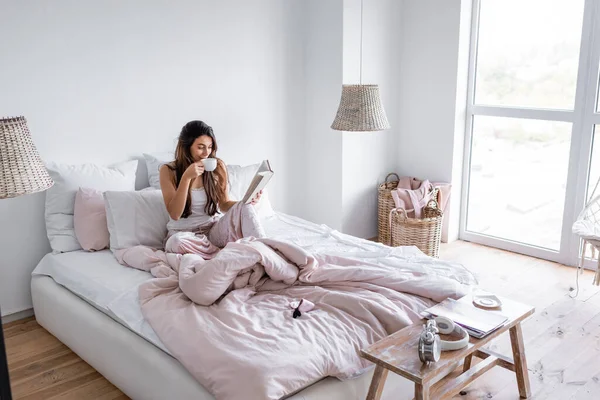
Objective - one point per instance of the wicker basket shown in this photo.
(424, 233)
(385, 204)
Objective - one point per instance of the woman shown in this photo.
(194, 197)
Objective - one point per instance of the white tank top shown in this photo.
(198, 220)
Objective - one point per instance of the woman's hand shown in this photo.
(193, 171)
(256, 198)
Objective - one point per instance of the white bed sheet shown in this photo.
(100, 280)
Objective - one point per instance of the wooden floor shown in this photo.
(41, 367)
(562, 339)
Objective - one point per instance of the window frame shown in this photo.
(583, 117)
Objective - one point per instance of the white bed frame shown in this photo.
(142, 370)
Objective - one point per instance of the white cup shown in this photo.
(210, 164)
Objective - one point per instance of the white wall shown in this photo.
(432, 90)
(369, 156)
(321, 155)
(345, 167)
(105, 81)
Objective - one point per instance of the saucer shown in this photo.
(487, 301)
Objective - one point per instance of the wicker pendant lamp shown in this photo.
(360, 109)
(21, 168)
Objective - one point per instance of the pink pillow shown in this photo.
(89, 220)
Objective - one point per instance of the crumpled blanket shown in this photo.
(228, 320)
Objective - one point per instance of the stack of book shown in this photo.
(478, 322)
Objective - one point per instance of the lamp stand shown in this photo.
(4, 378)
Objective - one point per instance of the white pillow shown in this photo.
(136, 218)
(60, 198)
(153, 163)
(239, 180)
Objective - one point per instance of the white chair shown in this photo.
(587, 227)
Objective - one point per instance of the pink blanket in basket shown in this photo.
(228, 320)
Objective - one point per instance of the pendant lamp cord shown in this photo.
(361, 38)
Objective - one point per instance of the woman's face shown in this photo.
(201, 148)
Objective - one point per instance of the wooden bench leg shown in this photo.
(516, 341)
(467, 363)
(421, 392)
(377, 383)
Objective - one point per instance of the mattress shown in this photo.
(98, 279)
(101, 281)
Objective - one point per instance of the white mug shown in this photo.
(210, 164)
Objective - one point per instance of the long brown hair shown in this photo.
(215, 182)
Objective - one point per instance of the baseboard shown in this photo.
(17, 316)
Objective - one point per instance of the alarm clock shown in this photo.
(431, 345)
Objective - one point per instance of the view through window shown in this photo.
(526, 115)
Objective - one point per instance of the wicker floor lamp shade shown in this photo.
(360, 110)
(21, 168)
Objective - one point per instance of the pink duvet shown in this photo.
(228, 320)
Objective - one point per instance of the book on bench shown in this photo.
(261, 178)
(478, 322)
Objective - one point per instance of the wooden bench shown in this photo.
(398, 353)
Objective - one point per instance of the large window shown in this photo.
(533, 92)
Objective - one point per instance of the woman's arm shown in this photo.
(175, 197)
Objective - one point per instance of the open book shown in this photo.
(260, 180)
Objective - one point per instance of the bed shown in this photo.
(89, 302)
(99, 308)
